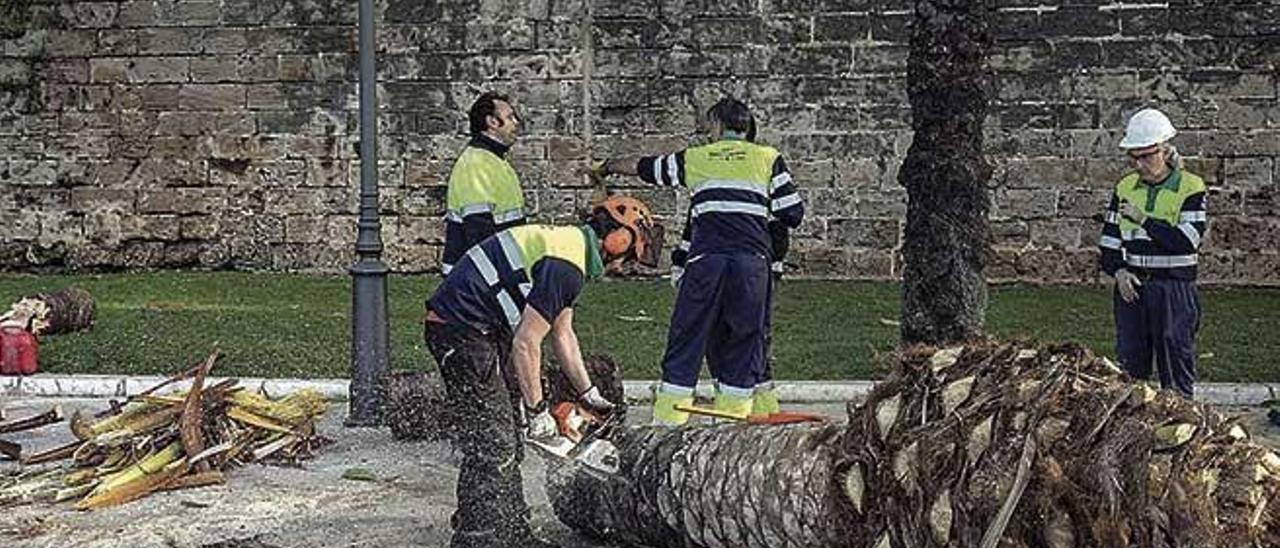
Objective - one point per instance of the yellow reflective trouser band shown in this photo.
(733, 400)
(766, 401)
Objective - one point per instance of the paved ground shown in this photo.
(312, 506)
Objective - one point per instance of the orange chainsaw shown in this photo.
(583, 438)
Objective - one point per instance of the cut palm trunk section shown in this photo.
(156, 442)
(70, 309)
(983, 445)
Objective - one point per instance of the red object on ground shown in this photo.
(18, 348)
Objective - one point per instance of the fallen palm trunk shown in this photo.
(165, 442)
(985, 445)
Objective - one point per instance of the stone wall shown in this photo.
(222, 133)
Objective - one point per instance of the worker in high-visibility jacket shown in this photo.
(737, 186)
(485, 325)
(1151, 235)
(765, 395)
(484, 195)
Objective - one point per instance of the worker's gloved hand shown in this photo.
(1133, 212)
(677, 272)
(593, 401)
(1127, 284)
(541, 424)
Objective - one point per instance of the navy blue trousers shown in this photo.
(720, 314)
(1160, 327)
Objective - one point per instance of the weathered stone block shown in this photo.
(420, 230)
(1055, 233)
(845, 27)
(86, 199)
(15, 72)
(1098, 85)
(1146, 21)
(626, 63)
(198, 227)
(1060, 266)
(211, 97)
(1248, 173)
(214, 69)
(864, 233)
(828, 60)
(305, 228)
(70, 43)
(158, 69)
(1017, 203)
(183, 201)
(141, 254)
(1079, 21)
(169, 41)
(156, 227)
(188, 13)
(1031, 85)
(871, 264)
(89, 15)
(31, 173)
(24, 225)
(1260, 268)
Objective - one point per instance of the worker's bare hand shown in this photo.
(1127, 284)
(1133, 212)
(593, 401)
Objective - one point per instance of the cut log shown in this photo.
(71, 309)
(1051, 447)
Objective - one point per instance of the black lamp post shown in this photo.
(369, 325)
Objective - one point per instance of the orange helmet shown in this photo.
(638, 236)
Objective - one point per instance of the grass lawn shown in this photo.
(299, 325)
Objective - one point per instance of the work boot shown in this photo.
(734, 400)
(766, 400)
(665, 401)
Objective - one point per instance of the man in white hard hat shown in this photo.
(1150, 237)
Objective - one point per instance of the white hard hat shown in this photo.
(1146, 128)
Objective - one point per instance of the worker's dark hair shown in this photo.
(733, 114)
(486, 105)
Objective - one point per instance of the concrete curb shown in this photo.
(111, 386)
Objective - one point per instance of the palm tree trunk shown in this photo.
(731, 485)
(984, 445)
(945, 174)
